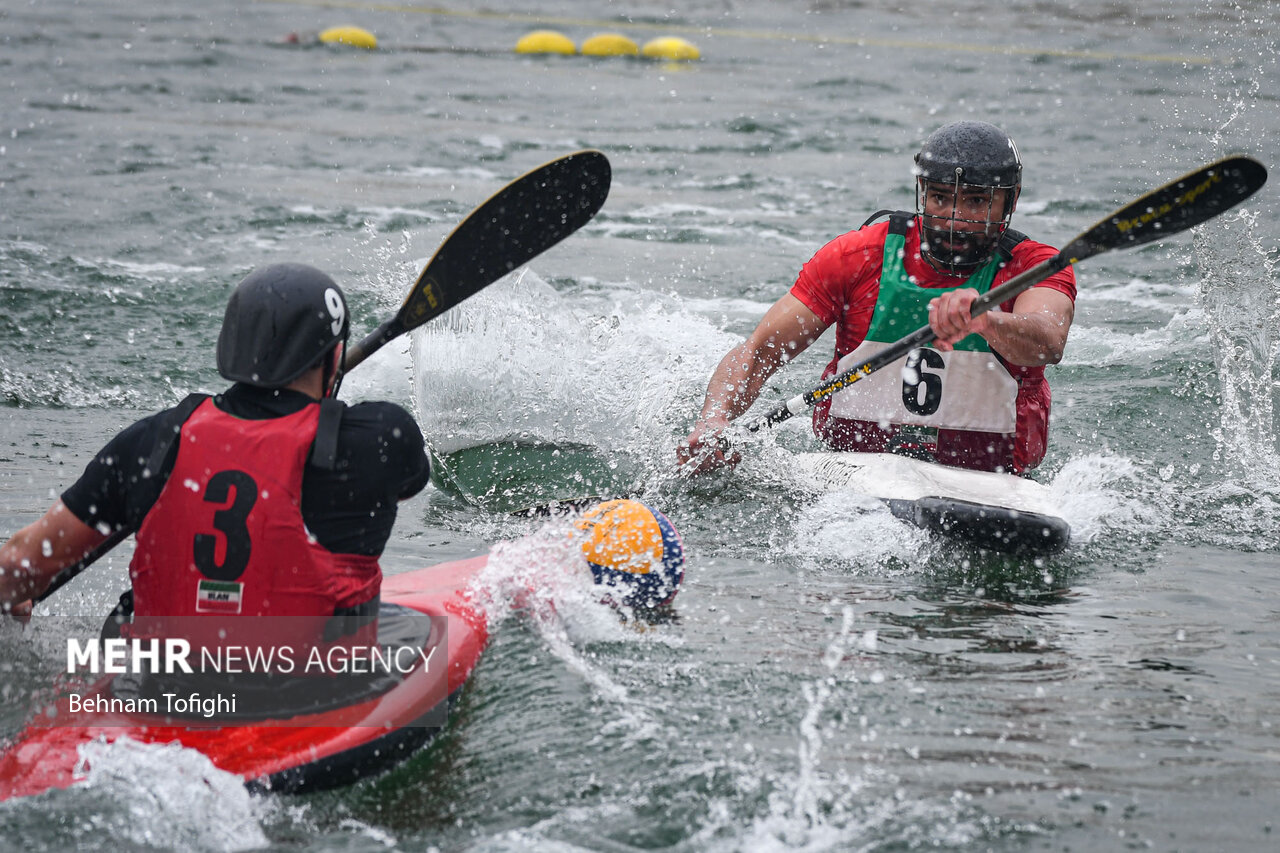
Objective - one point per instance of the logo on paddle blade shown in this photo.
(428, 301)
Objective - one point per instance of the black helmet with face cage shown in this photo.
(959, 158)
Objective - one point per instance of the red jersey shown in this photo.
(224, 558)
(841, 285)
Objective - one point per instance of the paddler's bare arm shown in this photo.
(1033, 334)
(786, 330)
(37, 552)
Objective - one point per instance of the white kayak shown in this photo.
(1001, 512)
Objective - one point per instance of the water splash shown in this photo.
(520, 363)
(822, 806)
(1104, 494)
(1131, 508)
(840, 809)
(544, 578)
(172, 797)
(853, 531)
(1240, 291)
(1239, 286)
(817, 693)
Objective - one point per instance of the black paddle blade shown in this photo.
(524, 219)
(521, 221)
(1194, 198)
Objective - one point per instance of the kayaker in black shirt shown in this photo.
(211, 540)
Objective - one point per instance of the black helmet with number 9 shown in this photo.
(968, 176)
(282, 320)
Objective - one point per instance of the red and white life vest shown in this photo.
(224, 557)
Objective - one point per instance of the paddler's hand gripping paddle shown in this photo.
(1194, 198)
(521, 221)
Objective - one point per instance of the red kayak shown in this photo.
(288, 733)
(308, 751)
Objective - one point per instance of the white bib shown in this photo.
(956, 390)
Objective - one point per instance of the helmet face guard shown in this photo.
(961, 224)
(968, 176)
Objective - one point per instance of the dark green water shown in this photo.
(833, 680)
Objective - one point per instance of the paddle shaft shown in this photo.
(1177, 206)
(523, 219)
(372, 342)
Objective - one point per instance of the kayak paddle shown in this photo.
(519, 222)
(1194, 198)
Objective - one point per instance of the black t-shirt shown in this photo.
(381, 460)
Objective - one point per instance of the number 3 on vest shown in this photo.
(231, 522)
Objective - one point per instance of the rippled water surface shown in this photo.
(833, 680)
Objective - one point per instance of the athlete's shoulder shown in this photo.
(380, 439)
(135, 440)
(380, 415)
(847, 253)
(1030, 252)
(114, 487)
(870, 235)
(378, 412)
(390, 422)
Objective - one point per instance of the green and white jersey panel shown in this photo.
(965, 389)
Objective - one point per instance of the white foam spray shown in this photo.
(519, 361)
(172, 797)
(1240, 291)
(543, 577)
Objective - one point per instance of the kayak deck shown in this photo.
(1000, 512)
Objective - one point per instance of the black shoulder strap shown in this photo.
(169, 431)
(1008, 240)
(900, 222)
(324, 450)
(879, 213)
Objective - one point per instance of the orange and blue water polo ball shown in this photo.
(634, 550)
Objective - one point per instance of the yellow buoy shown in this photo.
(546, 41)
(353, 36)
(609, 44)
(670, 47)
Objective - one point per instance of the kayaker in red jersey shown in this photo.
(977, 398)
(265, 507)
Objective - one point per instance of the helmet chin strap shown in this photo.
(333, 372)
